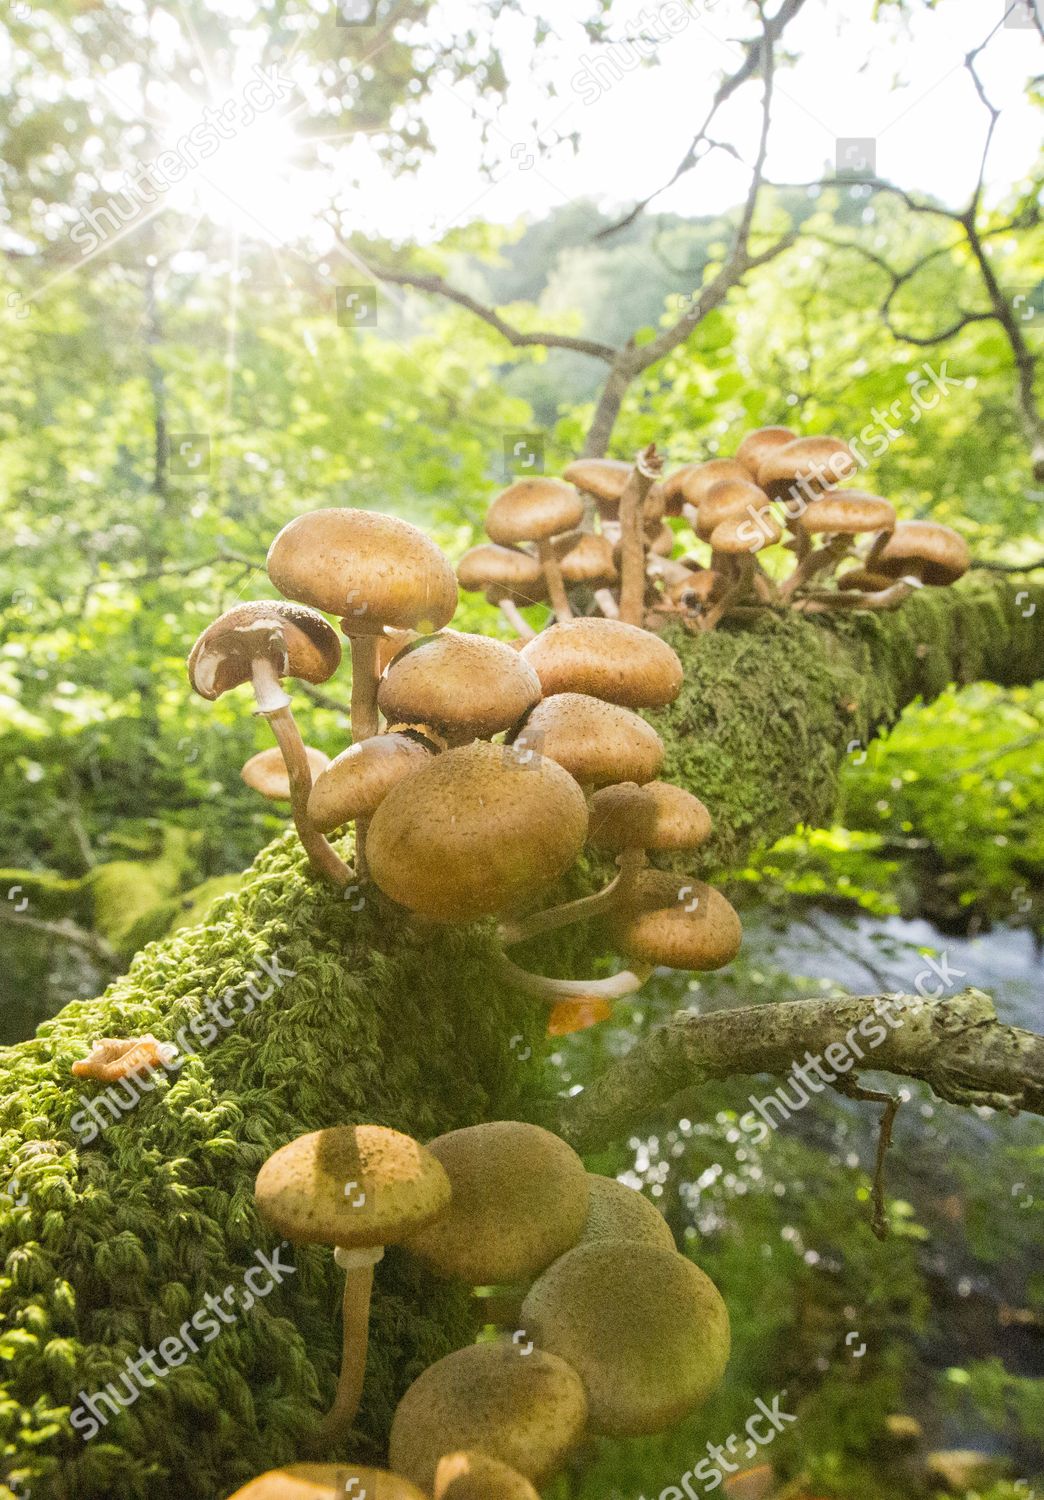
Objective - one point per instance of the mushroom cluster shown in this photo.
(597, 541)
(617, 1333)
(477, 773)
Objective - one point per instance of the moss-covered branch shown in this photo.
(112, 1240)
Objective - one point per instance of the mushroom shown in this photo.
(645, 1329)
(356, 782)
(840, 516)
(519, 1200)
(736, 542)
(935, 554)
(605, 480)
(506, 1399)
(795, 472)
(114, 1057)
(756, 446)
(726, 498)
(464, 686)
(261, 642)
(358, 1187)
(701, 478)
(674, 488)
(607, 659)
(509, 578)
(479, 830)
(618, 1212)
(590, 561)
(676, 922)
(476, 1476)
(863, 580)
(535, 510)
(328, 1482)
(266, 772)
(595, 741)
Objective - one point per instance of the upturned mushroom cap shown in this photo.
(727, 498)
(327, 1482)
(519, 1199)
(678, 922)
(531, 510)
(743, 533)
(808, 465)
(354, 1186)
(607, 659)
(518, 1404)
(265, 772)
(595, 741)
(933, 553)
(479, 830)
(618, 1212)
(465, 686)
(297, 641)
(848, 513)
(756, 446)
(701, 477)
(372, 570)
(645, 1329)
(357, 781)
(866, 582)
(590, 562)
(476, 1476)
(658, 816)
(510, 568)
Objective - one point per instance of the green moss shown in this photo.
(130, 897)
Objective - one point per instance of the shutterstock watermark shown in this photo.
(761, 1428)
(94, 1411)
(650, 27)
(145, 183)
(105, 1108)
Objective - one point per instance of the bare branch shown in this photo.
(66, 931)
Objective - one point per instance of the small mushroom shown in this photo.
(509, 577)
(605, 479)
(590, 561)
(927, 550)
(676, 922)
(356, 782)
(618, 1212)
(266, 772)
(465, 686)
(114, 1057)
(262, 642)
(596, 742)
(506, 1399)
(645, 1329)
(328, 1482)
(701, 478)
(727, 498)
(358, 1187)
(478, 831)
(795, 472)
(756, 446)
(840, 516)
(736, 542)
(606, 659)
(535, 510)
(863, 580)
(476, 1476)
(519, 1200)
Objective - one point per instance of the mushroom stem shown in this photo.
(510, 610)
(540, 987)
(355, 1337)
(814, 562)
(606, 602)
(631, 862)
(268, 689)
(643, 476)
(556, 590)
(365, 718)
(324, 858)
(741, 577)
(889, 598)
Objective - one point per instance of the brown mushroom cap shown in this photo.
(645, 1329)
(618, 1212)
(590, 562)
(595, 741)
(297, 641)
(465, 686)
(476, 1476)
(866, 582)
(698, 588)
(847, 513)
(756, 446)
(727, 498)
(517, 1404)
(807, 465)
(265, 772)
(658, 815)
(742, 533)
(531, 510)
(479, 830)
(604, 478)
(519, 1199)
(933, 553)
(674, 488)
(372, 570)
(354, 1186)
(607, 659)
(328, 1482)
(509, 568)
(678, 922)
(357, 781)
(698, 482)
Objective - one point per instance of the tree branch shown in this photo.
(955, 1045)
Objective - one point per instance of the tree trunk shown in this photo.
(123, 1233)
